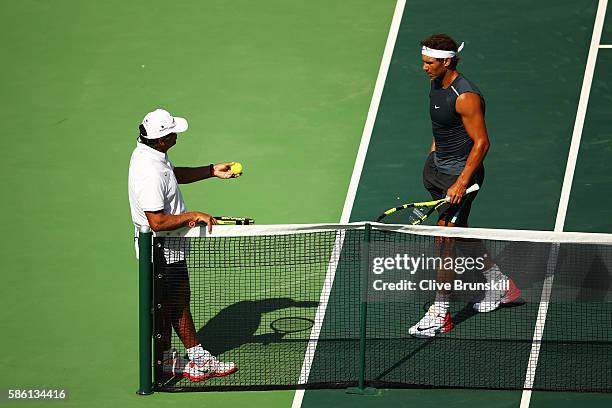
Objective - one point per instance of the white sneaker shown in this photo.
(503, 291)
(204, 368)
(432, 323)
(173, 363)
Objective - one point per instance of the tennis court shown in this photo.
(540, 111)
(270, 84)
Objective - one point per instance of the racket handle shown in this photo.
(470, 189)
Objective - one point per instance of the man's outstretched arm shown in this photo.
(186, 175)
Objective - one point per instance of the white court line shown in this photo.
(319, 317)
(350, 196)
(605, 46)
(564, 200)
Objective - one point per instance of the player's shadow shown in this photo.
(414, 346)
(401, 362)
(582, 274)
(237, 324)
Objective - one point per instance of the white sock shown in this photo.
(494, 274)
(196, 352)
(442, 303)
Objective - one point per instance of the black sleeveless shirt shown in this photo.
(453, 144)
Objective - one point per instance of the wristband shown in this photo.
(211, 170)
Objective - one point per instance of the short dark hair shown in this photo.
(142, 137)
(442, 42)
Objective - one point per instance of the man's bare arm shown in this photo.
(160, 221)
(186, 175)
(469, 106)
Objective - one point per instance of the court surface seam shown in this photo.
(352, 190)
(564, 200)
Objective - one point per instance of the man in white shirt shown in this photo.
(156, 201)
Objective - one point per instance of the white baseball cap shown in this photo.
(160, 123)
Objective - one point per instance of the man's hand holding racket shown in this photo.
(455, 193)
(201, 218)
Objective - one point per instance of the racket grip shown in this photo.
(472, 188)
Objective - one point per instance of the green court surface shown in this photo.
(592, 173)
(238, 294)
(530, 67)
(284, 87)
(271, 84)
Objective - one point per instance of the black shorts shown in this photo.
(437, 183)
(171, 281)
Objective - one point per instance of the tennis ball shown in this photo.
(236, 168)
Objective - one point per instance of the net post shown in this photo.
(145, 289)
(361, 388)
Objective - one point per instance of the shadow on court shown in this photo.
(237, 324)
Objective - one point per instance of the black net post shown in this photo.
(145, 287)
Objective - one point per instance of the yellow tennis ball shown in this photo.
(236, 168)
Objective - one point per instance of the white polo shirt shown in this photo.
(152, 186)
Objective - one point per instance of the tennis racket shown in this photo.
(228, 221)
(234, 221)
(419, 211)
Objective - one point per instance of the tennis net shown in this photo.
(332, 306)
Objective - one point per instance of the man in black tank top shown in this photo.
(460, 140)
(455, 162)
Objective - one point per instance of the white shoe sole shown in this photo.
(486, 307)
(423, 334)
(204, 377)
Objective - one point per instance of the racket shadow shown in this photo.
(237, 324)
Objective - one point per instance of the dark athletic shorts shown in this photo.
(437, 183)
(171, 283)
(175, 281)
